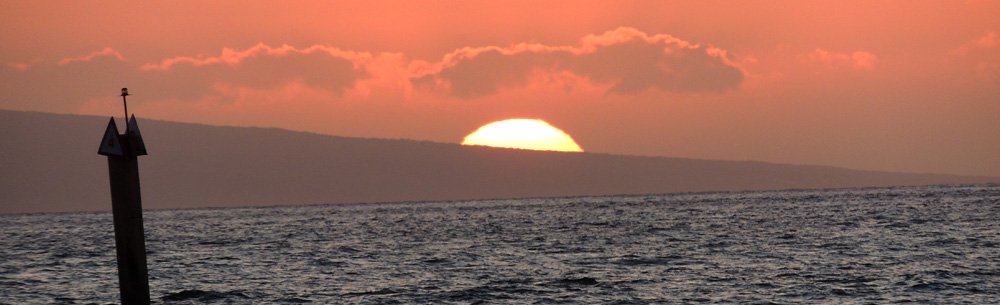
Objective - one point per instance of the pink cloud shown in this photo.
(628, 59)
(863, 60)
(260, 66)
(52, 85)
(859, 60)
(88, 57)
(987, 41)
(18, 66)
(621, 61)
(234, 57)
(979, 57)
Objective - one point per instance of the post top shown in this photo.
(135, 137)
(111, 146)
(129, 144)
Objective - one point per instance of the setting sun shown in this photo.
(524, 134)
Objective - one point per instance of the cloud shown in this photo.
(56, 85)
(260, 66)
(629, 60)
(18, 66)
(859, 60)
(88, 57)
(987, 41)
(863, 60)
(63, 85)
(624, 61)
(980, 56)
(235, 57)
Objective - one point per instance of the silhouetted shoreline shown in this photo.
(210, 166)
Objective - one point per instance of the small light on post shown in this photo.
(125, 103)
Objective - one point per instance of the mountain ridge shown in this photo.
(50, 164)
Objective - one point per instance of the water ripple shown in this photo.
(854, 246)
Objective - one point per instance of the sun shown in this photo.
(524, 134)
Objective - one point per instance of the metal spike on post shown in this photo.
(125, 105)
(122, 151)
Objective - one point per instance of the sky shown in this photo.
(911, 86)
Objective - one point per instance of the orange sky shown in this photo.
(888, 85)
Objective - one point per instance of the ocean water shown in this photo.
(914, 245)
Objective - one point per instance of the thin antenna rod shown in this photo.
(124, 102)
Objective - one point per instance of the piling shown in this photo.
(122, 151)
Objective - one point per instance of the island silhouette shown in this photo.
(49, 165)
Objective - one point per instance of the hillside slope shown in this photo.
(49, 163)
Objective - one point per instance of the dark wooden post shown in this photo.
(122, 151)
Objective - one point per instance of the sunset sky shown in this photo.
(885, 85)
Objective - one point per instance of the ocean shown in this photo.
(913, 245)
